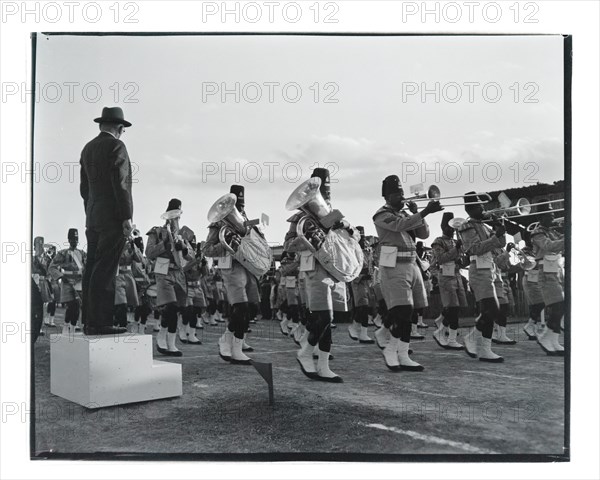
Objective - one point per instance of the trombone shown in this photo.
(434, 193)
(557, 222)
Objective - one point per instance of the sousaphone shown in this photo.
(340, 253)
(254, 253)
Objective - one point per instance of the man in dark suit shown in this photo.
(106, 191)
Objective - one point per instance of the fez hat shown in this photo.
(391, 185)
(238, 191)
(112, 115)
(174, 204)
(73, 234)
(323, 174)
(361, 230)
(446, 217)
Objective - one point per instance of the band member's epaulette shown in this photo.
(214, 225)
(295, 218)
(384, 209)
(153, 231)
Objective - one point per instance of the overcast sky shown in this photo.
(183, 133)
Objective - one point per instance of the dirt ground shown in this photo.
(458, 405)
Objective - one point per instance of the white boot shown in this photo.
(371, 320)
(141, 328)
(206, 317)
(414, 333)
(421, 323)
(212, 320)
(501, 337)
(293, 327)
(382, 336)
(219, 317)
(405, 362)
(364, 336)
(323, 371)
(470, 341)
(438, 321)
(172, 350)
(547, 341)
(130, 317)
(316, 352)
(237, 356)
(181, 330)
(354, 330)
(440, 336)
(529, 329)
(52, 324)
(452, 344)
(304, 357)
(299, 333)
(245, 346)
(225, 343)
(156, 327)
(161, 340)
(484, 350)
(283, 325)
(65, 329)
(390, 354)
(557, 346)
(377, 321)
(191, 335)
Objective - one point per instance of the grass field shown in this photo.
(458, 405)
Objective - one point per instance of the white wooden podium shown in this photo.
(110, 370)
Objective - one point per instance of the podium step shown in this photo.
(110, 370)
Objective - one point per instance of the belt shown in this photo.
(194, 284)
(124, 268)
(406, 257)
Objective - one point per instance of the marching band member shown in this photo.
(168, 249)
(126, 294)
(479, 241)
(142, 283)
(326, 296)
(194, 268)
(447, 252)
(502, 286)
(401, 279)
(67, 267)
(360, 294)
(39, 270)
(535, 299)
(417, 320)
(289, 272)
(548, 245)
(240, 284)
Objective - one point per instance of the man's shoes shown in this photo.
(104, 330)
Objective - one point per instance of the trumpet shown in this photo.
(235, 224)
(522, 208)
(434, 193)
(171, 217)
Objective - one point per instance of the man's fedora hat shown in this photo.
(112, 115)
